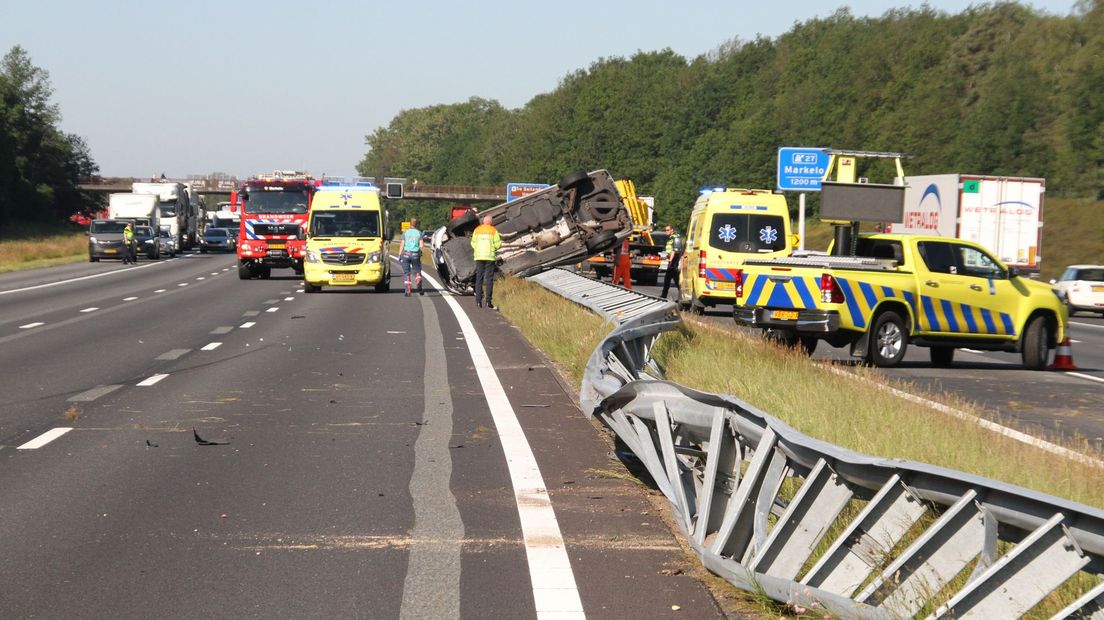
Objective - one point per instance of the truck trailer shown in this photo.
(1003, 214)
(177, 211)
(140, 209)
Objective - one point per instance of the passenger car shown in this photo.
(580, 216)
(1081, 287)
(146, 242)
(105, 239)
(167, 242)
(216, 239)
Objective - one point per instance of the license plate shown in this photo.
(784, 315)
(724, 286)
(1098, 289)
(344, 277)
(110, 251)
(277, 246)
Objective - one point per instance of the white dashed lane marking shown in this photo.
(174, 354)
(129, 298)
(160, 290)
(150, 381)
(251, 313)
(212, 346)
(247, 324)
(31, 325)
(200, 278)
(44, 438)
(224, 329)
(273, 309)
(183, 284)
(88, 396)
(93, 309)
(289, 299)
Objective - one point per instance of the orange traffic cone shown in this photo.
(1063, 358)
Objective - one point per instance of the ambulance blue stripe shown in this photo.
(971, 324)
(803, 291)
(929, 313)
(756, 290)
(990, 326)
(868, 293)
(1007, 320)
(888, 292)
(779, 298)
(852, 304)
(948, 311)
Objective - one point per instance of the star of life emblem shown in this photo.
(768, 235)
(346, 196)
(727, 233)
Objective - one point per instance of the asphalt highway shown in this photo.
(1066, 405)
(177, 443)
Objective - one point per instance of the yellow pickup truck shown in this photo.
(898, 290)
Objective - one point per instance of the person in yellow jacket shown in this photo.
(485, 242)
(130, 255)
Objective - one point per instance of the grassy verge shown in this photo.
(42, 251)
(811, 398)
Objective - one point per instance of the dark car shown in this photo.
(217, 240)
(146, 243)
(105, 239)
(581, 216)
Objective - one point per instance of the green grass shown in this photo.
(42, 250)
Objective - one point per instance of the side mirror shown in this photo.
(302, 234)
(1013, 272)
(390, 233)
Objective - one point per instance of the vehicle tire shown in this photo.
(463, 224)
(888, 340)
(264, 273)
(808, 344)
(202, 250)
(696, 306)
(383, 286)
(297, 268)
(93, 259)
(573, 179)
(244, 272)
(942, 357)
(311, 288)
(1034, 344)
(601, 242)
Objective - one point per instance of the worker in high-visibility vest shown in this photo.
(129, 253)
(622, 264)
(485, 242)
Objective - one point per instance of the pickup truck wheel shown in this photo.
(1035, 351)
(572, 179)
(942, 357)
(888, 340)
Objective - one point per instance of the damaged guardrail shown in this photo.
(820, 527)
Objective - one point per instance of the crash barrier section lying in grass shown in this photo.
(820, 527)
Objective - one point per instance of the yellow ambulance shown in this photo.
(728, 226)
(345, 239)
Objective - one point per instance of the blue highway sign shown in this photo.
(801, 169)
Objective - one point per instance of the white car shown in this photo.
(1081, 287)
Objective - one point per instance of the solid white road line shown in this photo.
(554, 590)
(31, 325)
(211, 347)
(1084, 376)
(1092, 325)
(151, 380)
(60, 282)
(247, 324)
(93, 309)
(88, 396)
(44, 438)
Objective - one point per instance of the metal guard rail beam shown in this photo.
(862, 536)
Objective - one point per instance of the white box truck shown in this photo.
(177, 211)
(142, 209)
(1003, 214)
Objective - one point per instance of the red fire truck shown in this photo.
(275, 208)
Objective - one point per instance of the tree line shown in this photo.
(39, 163)
(996, 89)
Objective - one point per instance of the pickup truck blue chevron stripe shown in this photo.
(900, 289)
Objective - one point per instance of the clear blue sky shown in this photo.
(246, 86)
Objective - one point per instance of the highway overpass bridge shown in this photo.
(410, 191)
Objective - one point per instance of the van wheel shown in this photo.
(808, 344)
(888, 340)
(696, 306)
(1034, 344)
(942, 357)
(573, 179)
(462, 224)
(601, 241)
(93, 259)
(384, 285)
(311, 288)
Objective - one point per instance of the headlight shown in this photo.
(246, 247)
(375, 257)
(312, 256)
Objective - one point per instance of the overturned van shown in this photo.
(580, 216)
